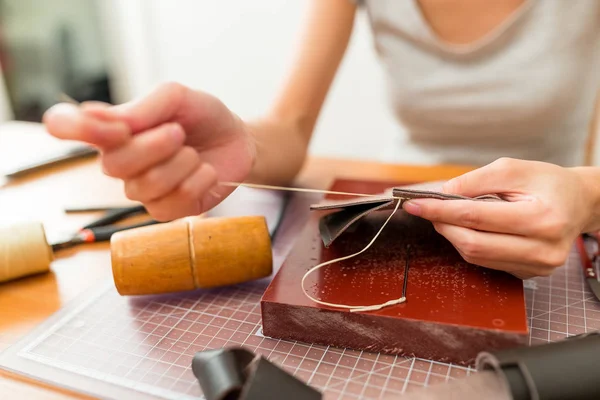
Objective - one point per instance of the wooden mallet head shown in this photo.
(191, 253)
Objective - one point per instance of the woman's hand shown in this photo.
(170, 148)
(529, 235)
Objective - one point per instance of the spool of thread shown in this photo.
(191, 253)
(24, 251)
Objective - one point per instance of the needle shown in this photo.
(67, 99)
(406, 265)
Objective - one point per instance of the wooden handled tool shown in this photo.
(191, 253)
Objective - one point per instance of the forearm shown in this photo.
(590, 178)
(280, 150)
(283, 136)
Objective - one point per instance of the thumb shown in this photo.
(69, 122)
(498, 177)
(160, 106)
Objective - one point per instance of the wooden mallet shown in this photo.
(191, 253)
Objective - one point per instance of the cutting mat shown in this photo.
(114, 347)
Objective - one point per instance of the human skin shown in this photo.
(173, 146)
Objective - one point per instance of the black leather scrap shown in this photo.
(568, 369)
(238, 374)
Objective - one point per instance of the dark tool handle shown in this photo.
(238, 374)
(568, 369)
(586, 262)
(221, 373)
(116, 215)
(104, 233)
(97, 234)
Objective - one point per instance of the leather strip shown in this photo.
(326, 205)
(334, 224)
(348, 211)
(427, 194)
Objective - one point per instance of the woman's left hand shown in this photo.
(531, 233)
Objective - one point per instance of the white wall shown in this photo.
(127, 29)
(239, 51)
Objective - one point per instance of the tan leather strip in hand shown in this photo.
(348, 211)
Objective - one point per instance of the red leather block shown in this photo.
(453, 310)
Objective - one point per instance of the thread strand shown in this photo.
(294, 189)
(373, 307)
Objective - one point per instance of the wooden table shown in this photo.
(43, 196)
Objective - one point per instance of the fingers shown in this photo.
(510, 253)
(187, 198)
(163, 178)
(68, 122)
(142, 152)
(501, 217)
(93, 107)
(521, 271)
(158, 107)
(493, 178)
(110, 126)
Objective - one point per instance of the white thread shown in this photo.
(373, 307)
(293, 189)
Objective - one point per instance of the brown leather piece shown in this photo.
(349, 211)
(428, 194)
(334, 224)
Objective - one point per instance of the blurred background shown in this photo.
(114, 50)
(51, 46)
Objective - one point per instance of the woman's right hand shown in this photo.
(170, 148)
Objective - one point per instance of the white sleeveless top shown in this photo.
(526, 90)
